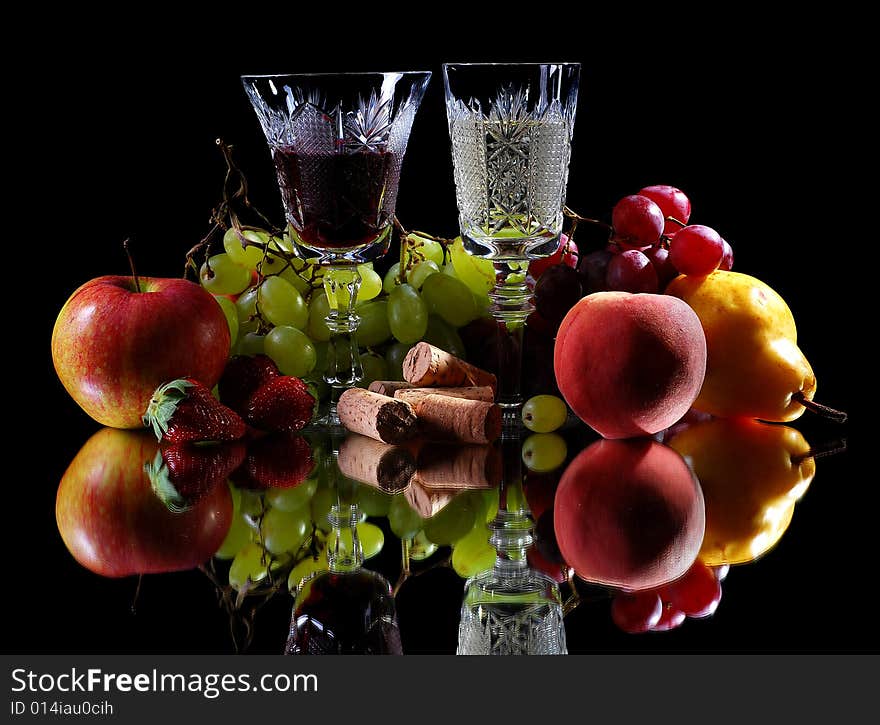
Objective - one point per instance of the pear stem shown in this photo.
(137, 281)
(826, 449)
(838, 416)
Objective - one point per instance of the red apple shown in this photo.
(115, 525)
(113, 344)
(567, 253)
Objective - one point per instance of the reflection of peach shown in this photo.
(629, 514)
(752, 475)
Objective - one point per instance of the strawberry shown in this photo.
(242, 377)
(282, 404)
(182, 473)
(280, 460)
(184, 410)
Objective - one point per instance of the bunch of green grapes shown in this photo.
(275, 303)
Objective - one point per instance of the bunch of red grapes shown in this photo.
(650, 244)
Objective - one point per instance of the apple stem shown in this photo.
(134, 274)
(820, 451)
(674, 220)
(838, 416)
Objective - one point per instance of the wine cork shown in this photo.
(427, 502)
(469, 421)
(429, 366)
(413, 395)
(383, 466)
(387, 387)
(455, 467)
(377, 416)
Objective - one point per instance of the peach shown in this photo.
(630, 364)
(629, 514)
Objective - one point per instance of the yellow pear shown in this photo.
(754, 367)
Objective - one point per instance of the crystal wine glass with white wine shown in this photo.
(511, 127)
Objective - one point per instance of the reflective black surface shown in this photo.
(721, 130)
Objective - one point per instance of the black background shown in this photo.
(756, 122)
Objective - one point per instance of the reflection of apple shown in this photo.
(114, 345)
(629, 513)
(113, 523)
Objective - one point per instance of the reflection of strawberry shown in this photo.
(242, 377)
(280, 460)
(184, 410)
(282, 404)
(183, 473)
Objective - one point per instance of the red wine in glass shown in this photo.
(338, 200)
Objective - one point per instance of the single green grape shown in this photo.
(249, 256)
(297, 279)
(321, 504)
(372, 501)
(450, 299)
(319, 308)
(292, 351)
(419, 247)
(246, 308)
(225, 276)
(420, 547)
(542, 452)
(449, 269)
(451, 522)
(418, 274)
(251, 563)
(371, 283)
(305, 569)
(394, 355)
(371, 537)
(251, 344)
(443, 335)
(407, 314)
(374, 367)
(473, 553)
(237, 537)
(231, 315)
(281, 304)
(544, 413)
(374, 328)
(293, 498)
(476, 272)
(391, 278)
(285, 530)
(403, 520)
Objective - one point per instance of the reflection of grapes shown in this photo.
(293, 498)
(237, 537)
(284, 530)
(305, 569)
(473, 553)
(451, 522)
(371, 537)
(251, 564)
(404, 522)
(544, 451)
(420, 547)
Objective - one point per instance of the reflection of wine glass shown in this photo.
(338, 142)
(511, 127)
(511, 608)
(346, 609)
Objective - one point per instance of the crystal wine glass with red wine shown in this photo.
(338, 141)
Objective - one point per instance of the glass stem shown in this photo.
(341, 283)
(511, 305)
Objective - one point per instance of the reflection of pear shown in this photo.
(752, 475)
